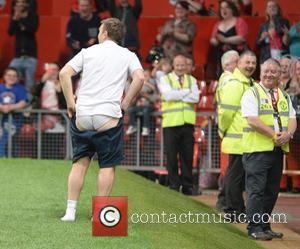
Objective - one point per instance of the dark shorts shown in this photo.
(108, 144)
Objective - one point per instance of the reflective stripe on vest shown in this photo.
(254, 141)
(176, 113)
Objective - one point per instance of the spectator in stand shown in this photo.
(177, 35)
(190, 64)
(129, 16)
(198, 7)
(294, 40)
(161, 68)
(285, 76)
(2, 4)
(294, 87)
(82, 29)
(272, 38)
(293, 162)
(32, 5)
(13, 96)
(144, 104)
(48, 95)
(24, 25)
(230, 32)
(244, 7)
(97, 6)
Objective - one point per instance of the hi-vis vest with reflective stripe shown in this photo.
(176, 113)
(230, 113)
(256, 142)
(225, 77)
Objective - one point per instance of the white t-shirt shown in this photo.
(105, 68)
(249, 106)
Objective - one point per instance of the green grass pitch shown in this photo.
(33, 198)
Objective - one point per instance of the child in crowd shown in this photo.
(144, 104)
(48, 95)
(161, 68)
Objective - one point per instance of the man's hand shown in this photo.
(5, 108)
(282, 138)
(71, 110)
(264, 35)
(221, 38)
(76, 44)
(91, 41)
(125, 105)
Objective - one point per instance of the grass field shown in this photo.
(33, 196)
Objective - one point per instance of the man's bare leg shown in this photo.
(106, 178)
(75, 184)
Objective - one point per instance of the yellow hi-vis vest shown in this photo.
(177, 113)
(225, 77)
(230, 116)
(254, 141)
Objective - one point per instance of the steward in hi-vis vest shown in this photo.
(230, 130)
(179, 94)
(269, 122)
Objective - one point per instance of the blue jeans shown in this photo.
(146, 110)
(4, 137)
(27, 67)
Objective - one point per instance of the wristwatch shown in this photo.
(291, 135)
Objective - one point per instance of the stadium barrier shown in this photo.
(45, 134)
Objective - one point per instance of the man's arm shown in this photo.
(30, 23)
(260, 127)
(65, 75)
(134, 88)
(112, 7)
(193, 96)
(230, 104)
(12, 107)
(137, 8)
(171, 95)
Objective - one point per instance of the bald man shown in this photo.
(179, 94)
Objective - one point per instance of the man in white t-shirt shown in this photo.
(97, 126)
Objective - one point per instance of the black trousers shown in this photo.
(263, 174)
(234, 185)
(179, 140)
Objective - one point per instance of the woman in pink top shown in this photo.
(231, 31)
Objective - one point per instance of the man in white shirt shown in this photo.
(98, 125)
(269, 125)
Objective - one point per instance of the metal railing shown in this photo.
(30, 135)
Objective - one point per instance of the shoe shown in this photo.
(131, 130)
(274, 234)
(260, 236)
(191, 191)
(145, 131)
(68, 217)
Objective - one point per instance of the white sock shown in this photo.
(70, 211)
